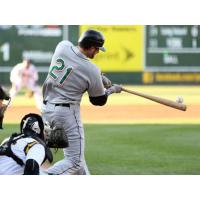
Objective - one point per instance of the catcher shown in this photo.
(3, 107)
(25, 152)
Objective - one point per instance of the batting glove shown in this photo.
(106, 82)
(114, 89)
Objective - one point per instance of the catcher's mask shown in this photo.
(32, 124)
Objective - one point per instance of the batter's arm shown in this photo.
(99, 100)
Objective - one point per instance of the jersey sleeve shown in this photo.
(37, 153)
(96, 87)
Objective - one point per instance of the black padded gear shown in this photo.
(31, 167)
(3, 94)
(99, 101)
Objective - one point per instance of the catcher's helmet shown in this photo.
(32, 124)
(92, 38)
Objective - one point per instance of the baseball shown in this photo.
(179, 99)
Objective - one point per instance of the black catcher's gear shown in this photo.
(32, 124)
(31, 167)
(3, 95)
(2, 111)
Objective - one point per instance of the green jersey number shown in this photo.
(60, 68)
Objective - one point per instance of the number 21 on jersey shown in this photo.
(60, 73)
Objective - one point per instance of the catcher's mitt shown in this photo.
(57, 138)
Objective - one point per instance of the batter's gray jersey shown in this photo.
(70, 75)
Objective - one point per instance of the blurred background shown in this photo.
(136, 54)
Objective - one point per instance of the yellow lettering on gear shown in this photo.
(28, 146)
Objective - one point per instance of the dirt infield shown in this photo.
(120, 114)
(126, 108)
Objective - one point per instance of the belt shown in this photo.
(63, 104)
(58, 104)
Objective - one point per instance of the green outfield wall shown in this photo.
(136, 54)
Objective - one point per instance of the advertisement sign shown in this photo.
(124, 47)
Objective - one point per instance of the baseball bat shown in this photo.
(160, 100)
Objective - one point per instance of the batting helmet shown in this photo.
(92, 38)
(32, 124)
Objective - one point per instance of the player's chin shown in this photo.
(91, 57)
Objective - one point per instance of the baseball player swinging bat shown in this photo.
(160, 100)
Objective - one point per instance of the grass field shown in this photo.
(138, 149)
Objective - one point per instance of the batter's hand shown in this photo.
(115, 88)
(106, 82)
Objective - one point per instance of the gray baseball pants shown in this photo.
(69, 118)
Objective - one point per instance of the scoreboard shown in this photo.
(172, 48)
(36, 42)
